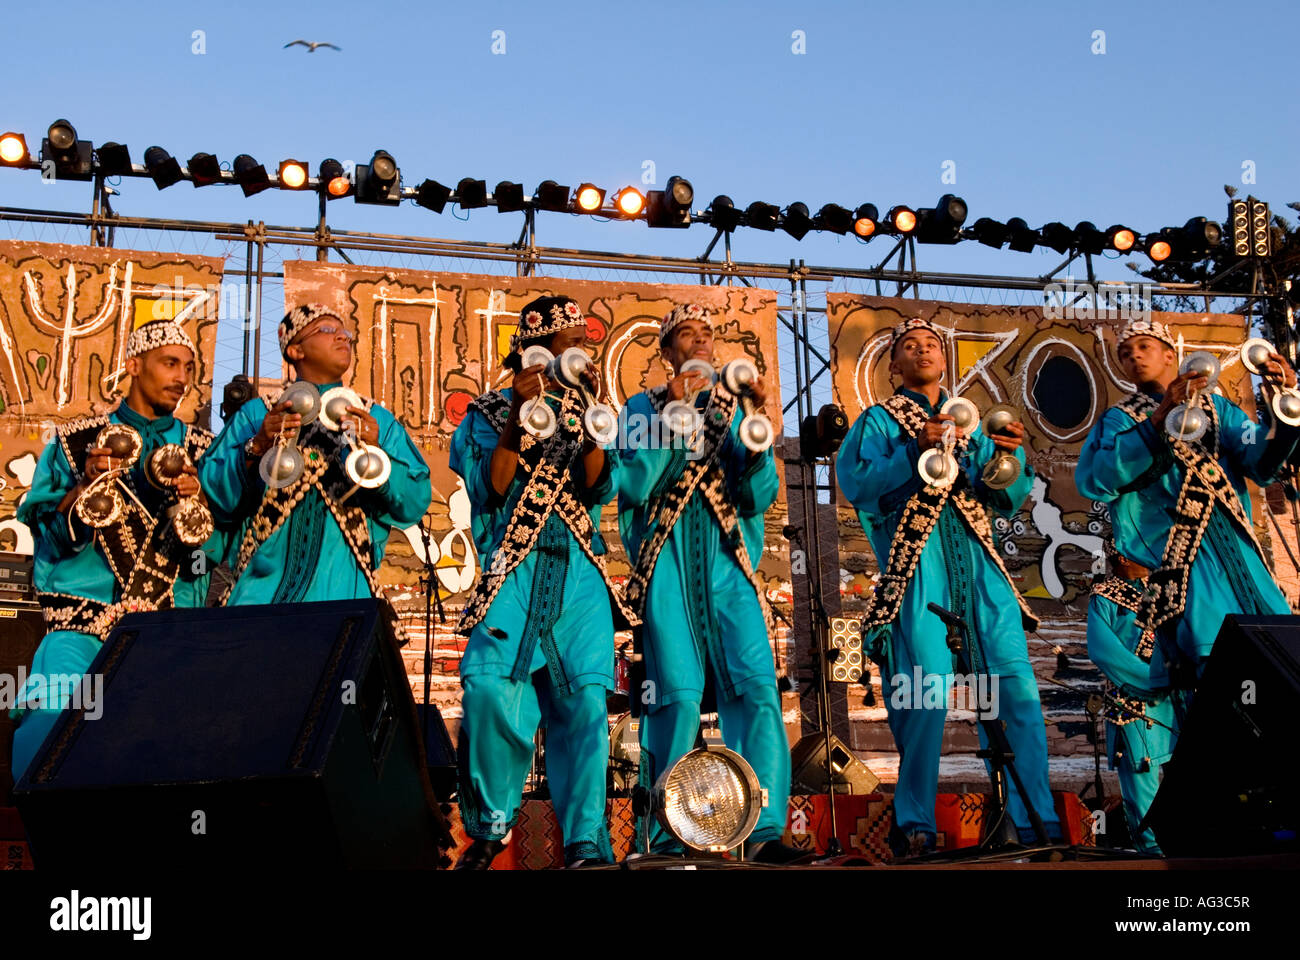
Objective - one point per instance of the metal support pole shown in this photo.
(257, 317)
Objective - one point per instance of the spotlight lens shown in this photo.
(383, 168)
(708, 801)
(12, 149)
(864, 227)
(293, 175)
(1160, 250)
(905, 221)
(1124, 240)
(589, 199)
(62, 136)
(339, 186)
(630, 201)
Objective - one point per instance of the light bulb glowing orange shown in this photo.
(630, 201)
(339, 186)
(1160, 251)
(293, 175)
(1124, 239)
(589, 199)
(12, 149)
(864, 227)
(905, 221)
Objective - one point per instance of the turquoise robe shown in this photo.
(307, 559)
(702, 609)
(1128, 466)
(543, 654)
(1137, 749)
(68, 560)
(876, 469)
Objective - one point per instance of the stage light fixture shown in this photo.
(332, 179)
(13, 148)
(679, 195)
(865, 220)
(551, 196)
(833, 219)
(1019, 235)
(1200, 237)
(471, 194)
(902, 219)
(71, 157)
(941, 223)
(432, 195)
(589, 198)
(1121, 238)
(629, 202)
(250, 175)
(762, 216)
(113, 159)
(1089, 239)
(1260, 235)
(670, 207)
(723, 213)
(1239, 221)
(822, 433)
(1057, 236)
(990, 232)
(292, 175)
(162, 166)
(1158, 246)
(509, 196)
(379, 181)
(205, 170)
(709, 800)
(796, 221)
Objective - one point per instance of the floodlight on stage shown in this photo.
(942, 223)
(1121, 238)
(13, 148)
(250, 175)
(1057, 236)
(333, 179)
(551, 196)
(71, 157)
(471, 194)
(629, 202)
(1239, 220)
(379, 181)
(990, 232)
(589, 198)
(710, 799)
(723, 213)
(796, 220)
(1158, 247)
(433, 195)
(762, 216)
(1019, 235)
(113, 159)
(509, 196)
(1199, 238)
(902, 219)
(679, 195)
(670, 207)
(162, 166)
(833, 219)
(292, 175)
(1260, 235)
(205, 170)
(865, 220)
(1089, 239)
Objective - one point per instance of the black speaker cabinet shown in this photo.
(808, 767)
(239, 737)
(1232, 786)
(22, 626)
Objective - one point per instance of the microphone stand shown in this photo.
(430, 583)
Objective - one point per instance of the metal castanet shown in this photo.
(756, 430)
(191, 519)
(365, 464)
(283, 463)
(1187, 421)
(101, 504)
(1285, 402)
(600, 420)
(1004, 469)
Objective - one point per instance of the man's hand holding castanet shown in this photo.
(276, 422)
(684, 383)
(932, 433)
(1010, 437)
(1179, 390)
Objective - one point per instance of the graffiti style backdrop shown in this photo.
(65, 315)
(430, 343)
(1061, 374)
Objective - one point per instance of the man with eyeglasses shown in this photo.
(320, 537)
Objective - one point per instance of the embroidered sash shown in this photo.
(1126, 709)
(919, 518)
(550, 487)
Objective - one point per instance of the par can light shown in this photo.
(13, 148)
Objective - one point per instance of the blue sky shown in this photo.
(1036, 123)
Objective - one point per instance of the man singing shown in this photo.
(110, 538)
(319, 537)
(1140, 719)
(935, 545)
(1181, 508)
(692, 522)
(541, 616)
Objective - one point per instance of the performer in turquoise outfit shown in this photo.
(1140, 721)
(944, 554)
(1214, 566)
(320, 537)
(542, 615)
(692, 522)
(144, 558)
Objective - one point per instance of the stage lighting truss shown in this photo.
(844, 662)
(72, 158)
(710, 799)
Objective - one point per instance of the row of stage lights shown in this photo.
(380, 182)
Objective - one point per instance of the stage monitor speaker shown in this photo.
(22, 625)
(1231, 787)
(808, 767)
(238, 738)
